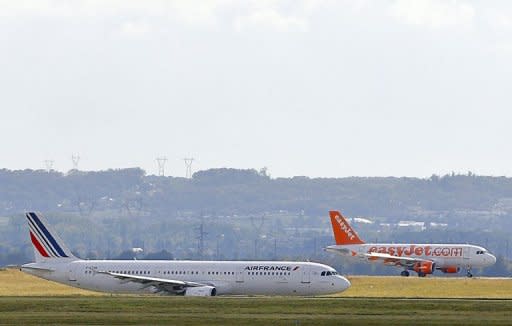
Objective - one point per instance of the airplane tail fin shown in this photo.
(343, 232)
(48, 246)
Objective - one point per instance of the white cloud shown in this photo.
(279, 15)
(135, 29)
(499, 19)
(433, 13)
(41, 8)
(269, 18)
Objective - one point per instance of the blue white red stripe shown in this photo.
(42, 239)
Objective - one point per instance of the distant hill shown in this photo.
(233, 191)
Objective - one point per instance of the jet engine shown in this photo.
(201, 291)
(426, 267)
(450, 269)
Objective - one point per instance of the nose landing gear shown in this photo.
(468, 271)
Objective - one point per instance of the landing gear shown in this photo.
(468, 272)
(420, 274)
(404, 273)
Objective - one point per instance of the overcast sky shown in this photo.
(315, 88)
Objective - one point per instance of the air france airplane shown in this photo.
(422, 258)
(55, 262)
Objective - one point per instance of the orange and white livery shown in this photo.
(422, 258)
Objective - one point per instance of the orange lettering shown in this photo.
(391, 251)
(427, 251)
(418, 251)
(400, 251)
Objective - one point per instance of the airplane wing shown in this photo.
(161, 284)
(388, 259)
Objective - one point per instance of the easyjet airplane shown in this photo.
(55, 262)
(422, 258)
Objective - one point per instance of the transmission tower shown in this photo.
(200, 238)
(49, 165)
(188, 167)
(161, 165)
(75, 158)
(257, 225)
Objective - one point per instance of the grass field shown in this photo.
(429, 287)
(26, 300)
(251, 311)
(16, 283)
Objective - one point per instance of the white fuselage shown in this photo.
(228, 277)
(443, 255)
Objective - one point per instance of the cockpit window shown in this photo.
(480, 252)
(322, 274)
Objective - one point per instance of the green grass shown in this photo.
(125, 310)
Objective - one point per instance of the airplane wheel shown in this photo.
(422, 274)
(404, 273)
(469, 274)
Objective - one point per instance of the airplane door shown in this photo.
(306, 277)
(240, 276)
(465, 254)
(72, 272)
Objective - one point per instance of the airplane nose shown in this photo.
(493, 259)
(343, 283)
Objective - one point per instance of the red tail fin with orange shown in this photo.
(343, 232)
